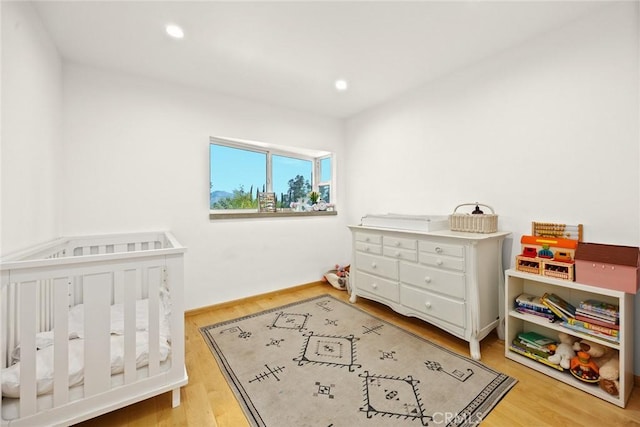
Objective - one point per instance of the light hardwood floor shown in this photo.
(537, 400)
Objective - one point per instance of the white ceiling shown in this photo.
(290, 53)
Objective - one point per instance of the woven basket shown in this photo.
(473, 223)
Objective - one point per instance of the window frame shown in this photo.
(318, 165)
(315, 156)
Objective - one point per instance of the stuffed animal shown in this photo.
(599, 353)
(338, 277)
(564, 351)
(609, 374)
(607, 361)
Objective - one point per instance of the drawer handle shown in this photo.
(397, 244)
(366, 249)
(398, 254)
(374, 285)
(438, 249)
(373, 265)
(427, 279)
(427, 304)
(366, 239)
(439, 262)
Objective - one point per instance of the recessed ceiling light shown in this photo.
(341, 85)
(175, 31)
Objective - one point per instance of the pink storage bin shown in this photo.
(608, 266)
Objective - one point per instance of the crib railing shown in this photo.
(95, 245)
(42, 304)
(116, 248)
(51, 294)
(37, 293)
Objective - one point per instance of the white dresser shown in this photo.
(450, 279)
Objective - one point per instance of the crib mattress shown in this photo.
(11, 406)
(76, 346)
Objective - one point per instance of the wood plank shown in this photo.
(536, 399)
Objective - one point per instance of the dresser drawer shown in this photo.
(368, 248)
(442, 308)
(441, 249)
(405, 254)
(377, 286)
(377, 265)
(441, 261)
(368, 237)
(432, 279)
(400, 242)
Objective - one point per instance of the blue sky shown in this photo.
(232, 167)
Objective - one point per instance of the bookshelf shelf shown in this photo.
(518, 282)
(559, 328)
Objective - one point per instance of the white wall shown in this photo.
(546, 131)
(136, 157)
(30, 131)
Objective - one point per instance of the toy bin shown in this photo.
(608, 266)
(528, 265)
(558, 269)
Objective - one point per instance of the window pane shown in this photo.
(236, 177)
(291, 179)
(325, 193)
(325, 169)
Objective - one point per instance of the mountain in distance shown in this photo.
(219, 195)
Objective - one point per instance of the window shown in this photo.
(324, 184)
(292, 178)
(239, 170)
(234, 174)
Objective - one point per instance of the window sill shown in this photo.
(280, 214)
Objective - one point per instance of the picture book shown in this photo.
(597, 316)
(597, 321)
(530, 301)
(517, 349)
(546, 315)
(556, 311)
(535, 339)
(591, 326)
(563, 305)
(592, 332)
(600, 307)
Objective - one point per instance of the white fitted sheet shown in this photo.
(76, 346)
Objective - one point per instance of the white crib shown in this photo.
(121, 353)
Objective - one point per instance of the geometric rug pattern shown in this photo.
(325, 362)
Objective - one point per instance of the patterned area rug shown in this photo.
(324, 362)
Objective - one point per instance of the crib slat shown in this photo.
(12, 316)
(97, 346)
(3, 322)
(154, 278)
(27, 292)
(131, 282)
(4, 292)
(61, 342)
(5, 303)
(174, 280)
(118, 287)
